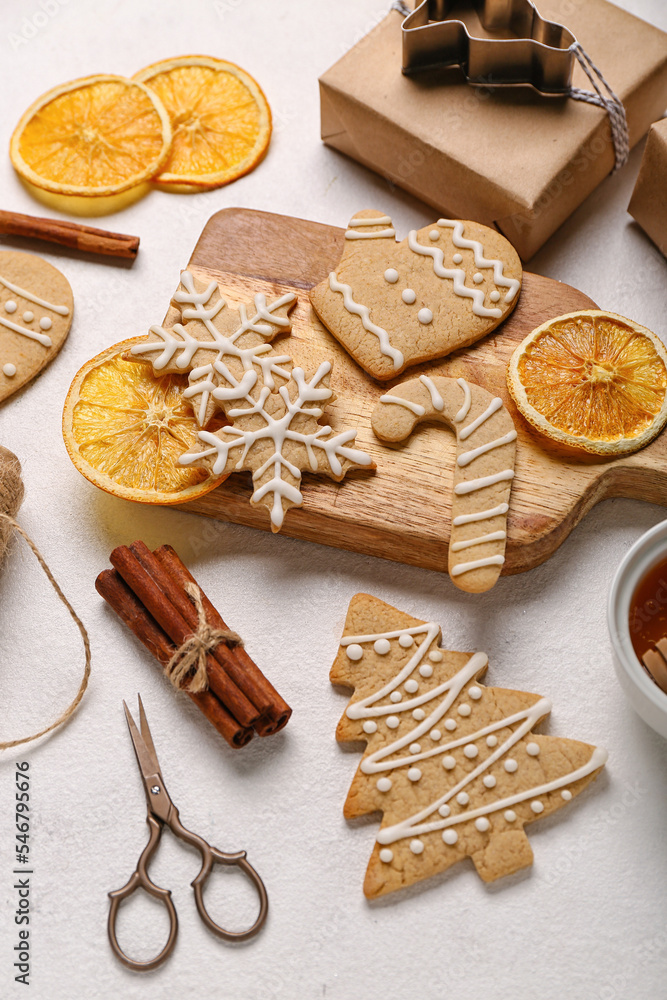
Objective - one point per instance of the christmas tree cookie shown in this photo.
(454, 766)
(392, 305)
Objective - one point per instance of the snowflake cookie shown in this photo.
(454, 767)
(392, 305)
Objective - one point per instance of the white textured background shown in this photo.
(587, 921)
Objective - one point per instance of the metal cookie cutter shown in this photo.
(539, 52)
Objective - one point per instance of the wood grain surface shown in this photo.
(402, 511)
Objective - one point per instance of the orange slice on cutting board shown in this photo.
(91, 138)
(125, 429)
(220, 118)
(592, 380)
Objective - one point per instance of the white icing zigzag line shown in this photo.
(31, 334)
(61, 310)
(455, 274)
(460, 241)
(364, 315)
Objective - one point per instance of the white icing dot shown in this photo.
(463, 798)
(408, 295)
(448, 762)
(474, 692)
(382, 646)
(464, 709)
(478, 278)
(494, 296)
(537, 806)
(444, 810)
(10, 306)
(491, 741)
(415, 748)
(434, 235)
(489, 781)
(435, 655)
(383, 784)
(416, 846)
(393, 722)
(482, 824)
(354, 652)
(28, 316)
(470, 751)
(9, 369)
(411, 686)
(414, 774)
(424, 316)
(450, 725)
(391, 275)
(509, 815)
(450, 836)
(405, 640)
(510, 766)
(457, 258)
(395, 696)
(435, 735)
(370, 726)
(566, 794)
(386, 855)
(533, 749)
(45, 323)
(426, 670)
(419, 714)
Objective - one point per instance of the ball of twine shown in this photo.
(11, 495)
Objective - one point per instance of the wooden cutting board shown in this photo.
(402, 511)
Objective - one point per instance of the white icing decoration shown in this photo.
(533, 749)
(352, 234)
(451, 725)
(363, 312)
(393, 722)
(495, 295)
(509, 815)
(418, 410)
(462, 243)
(537, 806)
(9, 369)
(419, 714)
(406, 639)
(60, 310)
(425, 316)
(10, 306)
(45, 323)
(566, 794)
(493, 536)
(28, 316)
(464, 710)
(489, 781)
(395, 696)
(391, 275)
(382, 646)
(437, 401)
(457, 258)
(450, 837)
(467, 399)
(435, 735)
(510, 766)
(426, 670)
(30, 334)
(474, 692)
(415, 748)
(469, 456)
(448, 762)
(409, 296)
(379, 220)
(478, 278)
(444, 810)
(493, 407)
(468, 567)
(470, 751)
(369, 726)
(491, 741)
(411, 686)
(384, 784)
(478, 484)
(482, 824)
(416, 846)
(435, 655)
(463, 798)
(414, 774)
(456, 275)
(354, 652)
(434, 235)
(481, 515)
(386, 855)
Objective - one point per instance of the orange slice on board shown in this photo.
(220, 119)
(93, 137)
(592, 380)
(125, 430)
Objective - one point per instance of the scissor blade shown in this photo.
(146, 732)
(148, 764)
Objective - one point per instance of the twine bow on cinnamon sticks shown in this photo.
(159, 600)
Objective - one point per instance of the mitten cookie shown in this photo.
(453, 766)
(392, 305)
(485, 454)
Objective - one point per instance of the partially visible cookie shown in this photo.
(453, 766)
(36, 306)
(392, 305)
(484, 470)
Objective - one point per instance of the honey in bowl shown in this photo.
(648, 622)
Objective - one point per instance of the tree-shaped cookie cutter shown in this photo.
(539, 53)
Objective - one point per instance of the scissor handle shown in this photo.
(212, 856)
(141, 880)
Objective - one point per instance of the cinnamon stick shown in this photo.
(275, 710)
(175, 625)
(132, 613)
(70, 234)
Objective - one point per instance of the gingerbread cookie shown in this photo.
(485, 455)
(453, 766)
(36, 306)
(392, 305)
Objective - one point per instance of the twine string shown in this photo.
(186, 669)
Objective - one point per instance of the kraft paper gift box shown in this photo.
(648, 204)
(507, 157)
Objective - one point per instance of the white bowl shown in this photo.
(643, 694)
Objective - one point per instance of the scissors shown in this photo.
(161, 811)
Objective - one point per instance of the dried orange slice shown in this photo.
(592, 380)
(219, 116)
(92, 137)
(125, 429)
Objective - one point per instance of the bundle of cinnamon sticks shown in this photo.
(147, 590)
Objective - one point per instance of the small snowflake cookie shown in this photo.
(454, 766)
(36, 308)
(392, 305)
